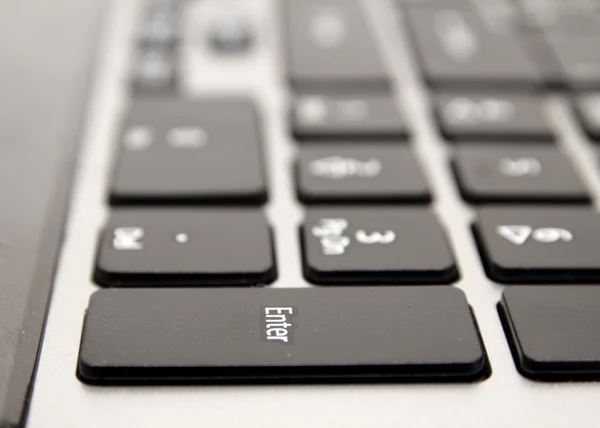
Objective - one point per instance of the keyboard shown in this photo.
(328, 213)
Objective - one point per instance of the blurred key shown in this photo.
(154, 71)
(457, 48)
(492, 117)
(579, 59)
(533, 174)
(330, 44)
(346, 173)
(347, 117)
(183, 151)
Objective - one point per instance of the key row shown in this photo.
(388, 334)
(363, 246)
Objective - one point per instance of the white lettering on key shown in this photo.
(329, 231)
(387, 237)
(278, 323)
(128, 238)
(518, 235)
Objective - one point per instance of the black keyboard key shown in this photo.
(540, 245)
(347, 117)
(368, 173)
(505, 174)
(182, 151)
(330, 45)
(553, 331)
(456, 48)
(376, 246)
(169, 247)
(154, 71)
(588, 109)
(559, 17)
(280, 336)
(492, 117)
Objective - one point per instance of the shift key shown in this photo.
(330, 44)
(280, 335)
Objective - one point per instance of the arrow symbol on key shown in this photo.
(518, 235)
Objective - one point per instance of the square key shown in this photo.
(188, 247)
(540, 245)
(190, 151)
(347, 173)
(533, 174)
(376, 246)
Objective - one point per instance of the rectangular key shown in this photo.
(534, 174)
(480, 116)
(330, 44)
(578, 58)
(553, 331)
(190, 151)
(456, 48)
(346, 173)
(356, 117)
(280, 335)
(374, 246)
(193, 247)
(540, 245)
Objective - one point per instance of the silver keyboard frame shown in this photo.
(504, 400)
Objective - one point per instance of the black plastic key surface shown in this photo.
(373, 246)
(280, 335)
(532, 174)
(554, 331)
(367, 173)
(588, 109)
(579, 60)
(192, 247)
(540, 245)
(330, 45)
(456, 48)
(190, 151)
(347, 117)
(480, 116)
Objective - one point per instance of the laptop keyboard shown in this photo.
(189, 238)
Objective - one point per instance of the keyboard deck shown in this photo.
(424, 177)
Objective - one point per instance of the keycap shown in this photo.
(330, 44)
(579, 59)
(356, 117)
(280, 336)
(520, 174)
(374, 246)
(540, 245)
(158, 31)
(154, 71)
(366, 173)
(456, 48)
(588, 109)
(491, 117)
(559, 17)
(231, 34)
(179, 246)
(190, 151)
(553, 331)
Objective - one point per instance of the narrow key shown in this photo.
(330, 44)
(457, 48)
(169, 247)
(280, 336)
(347, 117)
(588, 109)
(540, 245)
(376, 246)
(181, 151)
(369, 173)
(553, 331)
(492, 117)
(522, 174)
